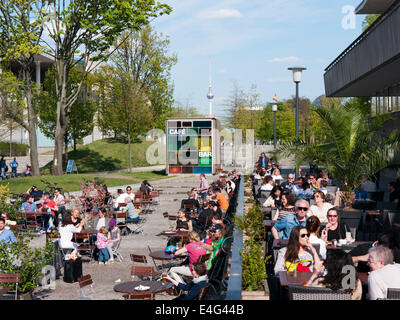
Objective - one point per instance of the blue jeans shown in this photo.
(103, 255)
(132, 220)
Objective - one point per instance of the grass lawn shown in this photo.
(71, 182)
(106, 155)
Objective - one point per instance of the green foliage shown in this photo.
(78, 126)
(28, 262)
(17, 149)
(6, 206)
(354, 149)
(253, 265)
(251, 223)
(136, 94)
(285, 124)
(368, 20)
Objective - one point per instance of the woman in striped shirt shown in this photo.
(287, 207)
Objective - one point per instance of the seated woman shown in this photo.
(194, 287)
(275, 198)
(145, 186)
(320, 208)
(334, 229)
(267, 185)
(276, 174)
(195, 248)
(217, 239)
(313, 225)
(299, 254)
(114, 237)
(133, 214)
(182, 223)
(66, 230)
(287, 206)
(333, 278)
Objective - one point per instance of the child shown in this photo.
(102, 245)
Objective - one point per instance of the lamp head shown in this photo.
(297, 71)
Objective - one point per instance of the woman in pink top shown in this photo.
(101, 243)
(195, 249)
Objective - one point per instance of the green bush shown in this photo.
(251, 223)
(17, 149)
(253, 265)
(28, 262)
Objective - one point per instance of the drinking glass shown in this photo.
(164, 278)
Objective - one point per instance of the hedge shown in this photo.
(17, 149)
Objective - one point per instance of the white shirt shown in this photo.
(382, 279)
(368, 186)
(267, 187)
(314, 211)
(120, 199)
(125, 195)
(322, 246)
(277, 177)
(101, 223)
(66, 235)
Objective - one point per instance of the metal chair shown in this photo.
(297, 292)
(115, 250)
(86, 281)
(144, 272)
(140, 258)
(11, 278)
(137, 227)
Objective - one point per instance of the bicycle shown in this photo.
(51, 187)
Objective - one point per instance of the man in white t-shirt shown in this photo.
(128, 193)
(384, 273)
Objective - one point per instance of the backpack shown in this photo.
(6, 169)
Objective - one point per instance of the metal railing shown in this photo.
(234, 290)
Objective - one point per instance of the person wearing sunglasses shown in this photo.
(287, 223)
(288, 185)
(320, 208)
(299, 255)
(334, 229)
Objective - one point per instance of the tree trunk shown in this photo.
(61, 122)
(74, 144)
(130, 152)
(11, 127)
(66, 148)
(34, 156)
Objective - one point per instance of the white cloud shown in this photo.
(222, 71)
(220, 14)
(284, 59)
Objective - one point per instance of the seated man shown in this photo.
(100, 221)
(222, 202)
(129, 193)
(6, 236)
(28, 205)
(49, 206)
(35, 192)
(287, 223)
(268, 183)
(194, 287)
(384, 273)
(120, 199)
(288, 185)
(192, 200)
(323, 184)
(201, 223)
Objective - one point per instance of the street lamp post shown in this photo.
(297, 72)
(274, 109)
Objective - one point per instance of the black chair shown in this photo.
(316, 293)
(393, 294)
(382, 205)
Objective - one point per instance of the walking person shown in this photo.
(3, 167)
(14, 166)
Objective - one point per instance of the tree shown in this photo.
(244, 109)
(285, 124)
(355, 147)
(21, 29)
(304, 112)
(82, 32)
(368, 20)
(79, 126)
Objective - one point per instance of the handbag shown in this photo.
(72, 270)
(292, 266)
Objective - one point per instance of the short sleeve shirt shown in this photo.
(195, 250)
(287, 223)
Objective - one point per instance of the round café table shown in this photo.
(164, 256)
(155, 286)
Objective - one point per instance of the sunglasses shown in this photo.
(332, 216)
(305, 234)
(302, 208)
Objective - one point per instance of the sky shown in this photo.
(254, 42)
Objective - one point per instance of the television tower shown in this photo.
(210, 95)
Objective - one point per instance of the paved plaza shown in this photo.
(173, 190)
